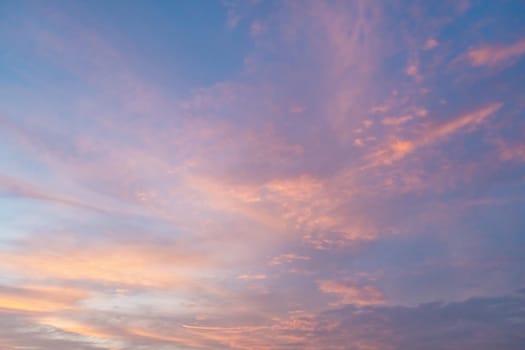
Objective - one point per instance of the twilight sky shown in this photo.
(262, 175)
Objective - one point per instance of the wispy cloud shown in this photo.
(493, 55)
(287, 258)
(398, 148)
(40, 298)
(351, 293)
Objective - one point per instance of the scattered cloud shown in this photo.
(430, 44)
(493, 55)
(256, 28)
(352, 294)
(252, 277)
(396, 120)
(287, 259)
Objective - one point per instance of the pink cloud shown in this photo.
(470, 120)
(398, 149)
(254, 277)
(26, 190)
(412, 70)
(256, 29)
(396, 120)
(430, 44)
(287, 258)
(511, 151)
(134, 264)
(352, 294)
(493, 55)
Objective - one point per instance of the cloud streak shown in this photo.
(493, 55)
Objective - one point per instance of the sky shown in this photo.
(256, 175)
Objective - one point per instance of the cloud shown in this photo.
(287, 258)
(511, 151)
(398, 149)
(256, 28)
(19, 188)
(352, 294)
(359, 142)
(252, 277)
(379, 109)
(40, 298)
(430, 44)
(22, 332)
(412, 70)
(494, 55)
(470, 120)
(396, 120)
(139, 264)
(477, 323)
(75, 327)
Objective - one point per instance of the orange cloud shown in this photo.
(109, 262)
(40, 298)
